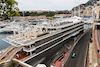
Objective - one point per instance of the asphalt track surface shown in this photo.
(80, 50)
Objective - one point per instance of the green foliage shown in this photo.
(1, 64)
(50, 18)
(48, 14)
(12, 12)
(12, 64)
(33, 24)
(8, 8)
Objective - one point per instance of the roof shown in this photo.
(41, 65)
(63, 15)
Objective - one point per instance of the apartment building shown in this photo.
(87, 11)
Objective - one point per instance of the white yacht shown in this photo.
(36, 39)
(4, 24)
(11, 26)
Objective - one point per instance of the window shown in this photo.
(51, 29)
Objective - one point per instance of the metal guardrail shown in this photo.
(87, 48)
(9, 57)
(7, 50)
(22, 63)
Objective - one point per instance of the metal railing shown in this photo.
(10, 56)
(7, 50)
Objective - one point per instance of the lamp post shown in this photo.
(23, 15)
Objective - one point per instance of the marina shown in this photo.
(49, 38)
(32, 43)
(26, 43)
(3, 45)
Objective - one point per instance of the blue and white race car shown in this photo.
(73, 55)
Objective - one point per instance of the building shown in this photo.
(62, 15)
(96, 17)
(78, 11)
(96, 13)
(87, 12)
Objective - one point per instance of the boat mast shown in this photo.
(79, 8)
(75, 9)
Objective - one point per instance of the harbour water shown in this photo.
(3, 44)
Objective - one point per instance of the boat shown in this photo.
(11, 26)
(37, 39)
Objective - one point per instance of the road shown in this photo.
(47, 55)
(80, 50)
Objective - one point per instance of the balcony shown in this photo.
(33, 48)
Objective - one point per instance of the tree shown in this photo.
(50, 18)
(12, 64)
(8, 7)
(12, 12)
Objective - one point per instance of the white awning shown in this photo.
(41, 65)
